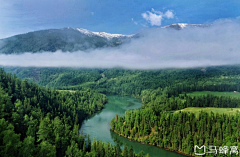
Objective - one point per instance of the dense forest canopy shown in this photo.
(134, 82)
(157, 125)
(35, 121)
(163, 92)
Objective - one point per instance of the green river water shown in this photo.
(98, 126)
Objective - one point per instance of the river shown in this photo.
(98, 126)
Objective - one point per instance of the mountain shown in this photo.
(69, 39)
(180, 26)
(66, 39)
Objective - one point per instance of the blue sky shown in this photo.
(113, 16)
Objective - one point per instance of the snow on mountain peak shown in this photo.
(101, 34)
(85, 31)
(182, 25)
(179, 26)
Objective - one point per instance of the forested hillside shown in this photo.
(157, 125)
(134, 82)
(35, 121)
(162, 93)
(179, 132)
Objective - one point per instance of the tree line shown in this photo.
(159, 100)
(133, 82)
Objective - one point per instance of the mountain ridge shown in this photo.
(69, 40)
(180, 26)
(65, 39)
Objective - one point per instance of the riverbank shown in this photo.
(153, 145)
(98, 128)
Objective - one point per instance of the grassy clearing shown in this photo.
(71, 91)
(197, 110)
(199, 93)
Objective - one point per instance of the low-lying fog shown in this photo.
(159, 48)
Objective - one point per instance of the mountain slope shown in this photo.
(66, 39)
(69, 39)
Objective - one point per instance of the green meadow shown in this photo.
(197, 110)
(199, 93)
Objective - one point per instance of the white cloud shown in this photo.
(169, 14)
(152, 18)
(155, 17)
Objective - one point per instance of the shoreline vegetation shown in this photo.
(233, 118)
(152, 145)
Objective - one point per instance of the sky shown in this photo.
(156, 49)
(112, 16)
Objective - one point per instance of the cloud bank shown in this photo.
(157, 49)
(155, 17)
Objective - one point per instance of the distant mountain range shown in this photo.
(179, 26)
(68, 39)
